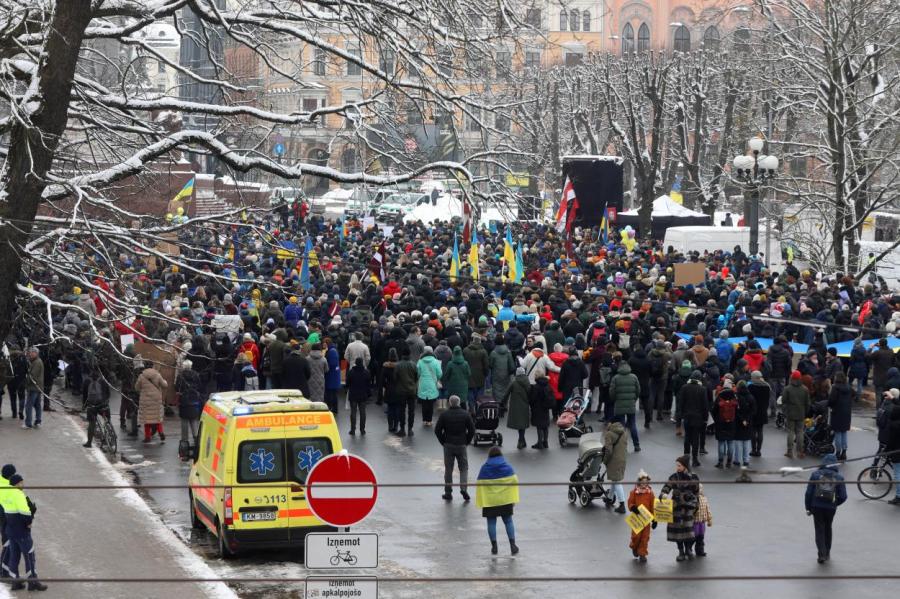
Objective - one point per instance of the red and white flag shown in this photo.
(378, 264)
(467, 222)
(568, 196)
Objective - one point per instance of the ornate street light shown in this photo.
(754, 171)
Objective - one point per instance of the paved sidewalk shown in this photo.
(95, 533)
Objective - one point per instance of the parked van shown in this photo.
(701, 239)
(249, 443)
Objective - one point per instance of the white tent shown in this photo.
(446, 208)
(666, 213)
(664, 206)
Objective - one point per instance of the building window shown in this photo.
(586, 17)
(501, 123)
(532, 59)
(353, 68)
(160, 67)
(742, 40)
(413, 114)
(573, 59)
(682, 39)
(319, 62)
(574, 20)
(475, 20)
(643, 38)
(348, 160)
(627, 39)
(443, 119)
(504, 64)
(445, 62)
(798, 166)
(310, 105)
(386, 61)
(711, 39)
(472, 119)
(563, 20)
(533, 17)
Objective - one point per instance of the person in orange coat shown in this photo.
(642, 494)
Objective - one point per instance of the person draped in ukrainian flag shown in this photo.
(454, 262)
(496, 494)
(509, 256)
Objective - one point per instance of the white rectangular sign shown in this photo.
(322, 587)
(333, 551)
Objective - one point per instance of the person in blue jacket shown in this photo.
(332, 376)
(824, 493)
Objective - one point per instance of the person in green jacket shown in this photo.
(429, 369)
(406, 386)
(502, 366)
(519, 410)
(625, 390)
(456, 375)
(795, 405)
(477, 358)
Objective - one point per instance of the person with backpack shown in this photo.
(660, 360)
(189, 387)
(358, 392)
(624, 391)
(824, 493)
(725, 414)
(795, 403)
(692, 409)
(96, 394)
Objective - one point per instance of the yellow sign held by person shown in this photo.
(664, 510)
(639, 521)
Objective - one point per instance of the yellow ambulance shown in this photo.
(253, 454)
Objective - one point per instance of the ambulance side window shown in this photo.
(304, 453)
(261, 461)
(195, 451)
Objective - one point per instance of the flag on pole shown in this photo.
(604, 226)
(454, 262)
(568, 195)
(467, 221)
(378, 264)
(343, 231)
(186, 191)
(509, 255)
(473, 257)
(304, 266)
(520, 264)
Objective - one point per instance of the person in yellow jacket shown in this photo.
(496, 494)
(7, 471)
(18, 512)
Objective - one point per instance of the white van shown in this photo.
(707, 239)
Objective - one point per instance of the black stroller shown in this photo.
(588, 478)
(818, 436)
(487, 419)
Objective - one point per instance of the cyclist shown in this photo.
(96, 393)
(889, 436)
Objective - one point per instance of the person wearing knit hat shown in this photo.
(641, 495)
(6, 473)
(683, 486)
(18, 515)
(824, 493)
(795, 403)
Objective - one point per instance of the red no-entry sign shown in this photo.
(341, 489)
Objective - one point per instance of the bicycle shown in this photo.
(106, 433)
(876, 481)
(343, 556)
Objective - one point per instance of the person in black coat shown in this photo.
(571, 374)
(640, 367)
(296, 371)
(725, 418)
(541, 400)
(840, 402)
(191, 397)
(761, 393)
(692, 409)
(742, 433)
(358, 391)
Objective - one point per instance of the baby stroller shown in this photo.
(487, 419)
(571, 422)
(587, 479)
(818, 436)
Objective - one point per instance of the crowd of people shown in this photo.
(603, 319)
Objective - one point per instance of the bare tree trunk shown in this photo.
(33, 145)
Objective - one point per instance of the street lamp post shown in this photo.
(754, 171)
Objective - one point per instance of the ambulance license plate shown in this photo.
(258, 516)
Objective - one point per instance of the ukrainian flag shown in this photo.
(304, 266)
(186, 191)
(454, 262)
(473, 257)
(509, 255)
(604, 226)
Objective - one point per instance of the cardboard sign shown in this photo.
(640, 521)
(227, 323)
(664, 510)
(690, 273)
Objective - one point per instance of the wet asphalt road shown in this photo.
(758, 530)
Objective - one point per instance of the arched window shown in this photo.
(627, 39)
(563, 20)
(643, 38)
(586, 20)
(711, 39)
(348, 161)
(574, 20)
(682, 39)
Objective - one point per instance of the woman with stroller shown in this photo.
(496, 494)
(840, 401)
(541, 400)
(683, 485)
(518, 415)
(615, 443)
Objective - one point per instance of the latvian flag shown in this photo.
(378, 264)
(568, 205)
(467, 222)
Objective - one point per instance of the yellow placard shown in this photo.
(517, 179)
(639, 521)
(664, 510)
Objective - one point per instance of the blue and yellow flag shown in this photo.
(509, 255)
(604, 227)
(520, 264)
(186, 191)
(304, 266)
(454, 262)
(473, 256)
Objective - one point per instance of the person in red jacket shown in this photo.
(250, 346)
(558, 356)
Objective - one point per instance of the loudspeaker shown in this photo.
(598, 182)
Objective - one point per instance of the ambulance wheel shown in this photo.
(585, 498)
(573, 496)
(195, 521)
(222, 549)
(499, 440)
